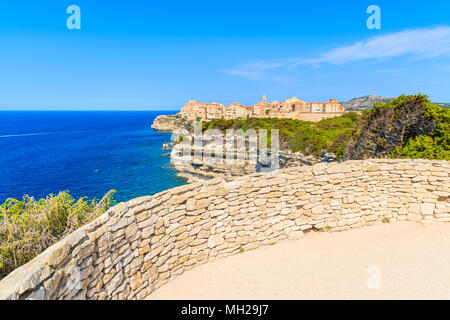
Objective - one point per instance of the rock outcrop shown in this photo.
(199, 165)
(170, 123)
(201, 170)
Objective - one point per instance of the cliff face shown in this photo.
(170, 123)
(194, 168)
(391, 125)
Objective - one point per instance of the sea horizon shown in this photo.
(87, 110)
(86, 152)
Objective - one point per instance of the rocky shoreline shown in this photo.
(195, 169)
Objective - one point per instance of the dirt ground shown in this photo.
(398, 260)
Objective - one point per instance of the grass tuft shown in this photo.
(28, 227)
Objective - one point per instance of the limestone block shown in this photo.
(215, 240)
(427, 208)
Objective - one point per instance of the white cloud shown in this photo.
(417, 44)
(259, 70)
(392, 71)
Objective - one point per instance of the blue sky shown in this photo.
(148, 55)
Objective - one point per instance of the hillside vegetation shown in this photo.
(404, 127)
(28, 227)
(309, 138)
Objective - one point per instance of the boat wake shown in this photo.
(36, 134)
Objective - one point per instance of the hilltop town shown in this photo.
(291, 108)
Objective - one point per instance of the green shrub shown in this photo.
(436, 145)
(28, 227)
(386, 220)
(422, 147)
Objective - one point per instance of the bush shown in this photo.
(436, 145)
(28, 227)
(422, 147)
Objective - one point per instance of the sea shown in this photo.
(86, 153)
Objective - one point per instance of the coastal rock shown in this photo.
(206, 167)
(170, 123)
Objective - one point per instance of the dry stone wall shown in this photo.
(137, 246)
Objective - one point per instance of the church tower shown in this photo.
(264, 100)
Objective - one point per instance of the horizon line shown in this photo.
(75, 110)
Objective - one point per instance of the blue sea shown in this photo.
(87, 153)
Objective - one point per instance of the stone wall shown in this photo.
(316, 116)
(137, 246)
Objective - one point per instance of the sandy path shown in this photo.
(413, 260)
